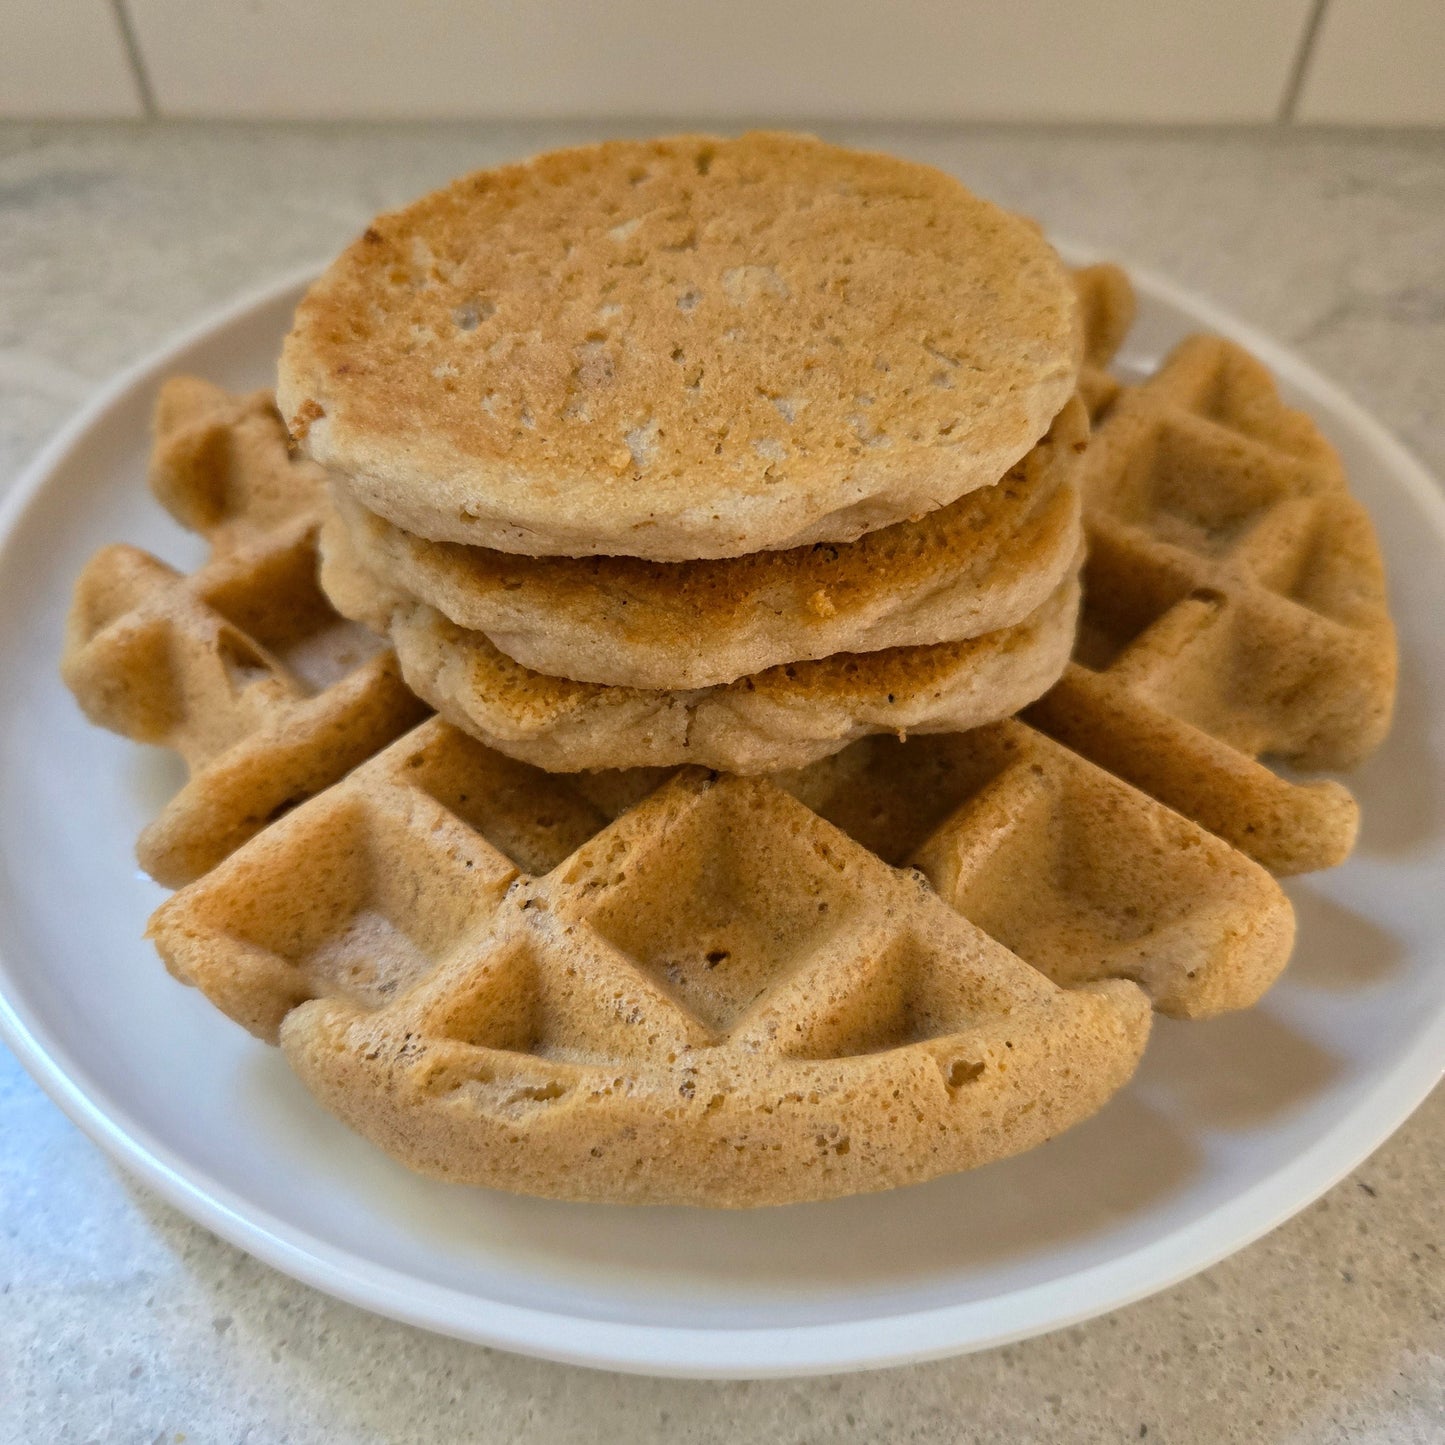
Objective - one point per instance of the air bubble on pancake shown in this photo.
(536, 1093)
(470, 314)
(961, 1072)
(687, 241)
(866, 432)
(744, 284)
(593, 366)
(642, 442)
(770, 449)
(688, 299)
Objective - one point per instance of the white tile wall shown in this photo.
(1373, 61)
(1378, 62)
(1142, 60)
(64, 58)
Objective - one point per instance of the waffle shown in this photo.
(656, 985)
(679, 349)
(1234, 601)
(702, 990)
(982, 563)
(241, 667)
(785, 717)
(1106, 311)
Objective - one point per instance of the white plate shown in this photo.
(1229, 1128)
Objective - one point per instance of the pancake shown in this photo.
(679, 349)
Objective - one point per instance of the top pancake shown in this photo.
(681, 349)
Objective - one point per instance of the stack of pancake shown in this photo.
(714, 451)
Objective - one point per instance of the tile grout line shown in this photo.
(1289, 101)
(138, 70)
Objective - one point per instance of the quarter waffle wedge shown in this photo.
(241, 667)
(1234, 600)
(694, 988)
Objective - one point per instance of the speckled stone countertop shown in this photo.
(121, 1321)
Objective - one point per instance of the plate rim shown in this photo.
(729, 1351)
